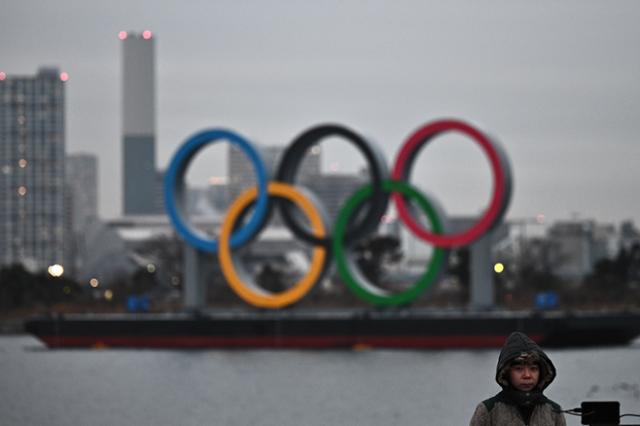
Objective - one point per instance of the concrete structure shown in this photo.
(570, 255)
(82, 184)
(481, 285)
(32, 169)
(139, 181)
(576, 246)
(82, 195)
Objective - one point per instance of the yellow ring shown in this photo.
(250, 292)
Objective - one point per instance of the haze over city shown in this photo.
(556, 83)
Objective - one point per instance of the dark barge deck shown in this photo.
(334, 329)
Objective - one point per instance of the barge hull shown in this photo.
(333, 330)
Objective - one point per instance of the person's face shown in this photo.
(524, 377)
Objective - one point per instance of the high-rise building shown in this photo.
(82, 184)
(32, 187)
(139, 182)
(82, 206)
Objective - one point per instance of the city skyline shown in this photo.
(556, 83)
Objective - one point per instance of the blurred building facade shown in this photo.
(82, 183)
(629, 235)
(32, 192)
(82, 198)
(334, 189)
(576, 246)
(241, 173)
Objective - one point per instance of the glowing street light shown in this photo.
(108, 294)
(55, 270)
(498, 267)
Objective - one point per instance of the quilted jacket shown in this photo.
(512, 407)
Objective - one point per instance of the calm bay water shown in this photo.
(283, 387)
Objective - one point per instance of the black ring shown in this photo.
(288, 168)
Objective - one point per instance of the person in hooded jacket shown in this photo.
(524, 371)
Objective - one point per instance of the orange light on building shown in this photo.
(122, 35)
(3, 76)
(146, 34)
(64, 76)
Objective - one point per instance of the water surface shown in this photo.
(39, 386)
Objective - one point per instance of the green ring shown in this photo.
(362, 287)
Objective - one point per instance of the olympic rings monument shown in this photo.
(267, 326)
(359, 216)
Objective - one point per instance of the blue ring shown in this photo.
(174, 189)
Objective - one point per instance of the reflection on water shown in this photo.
(282, 387)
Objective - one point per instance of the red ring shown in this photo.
(419, 138)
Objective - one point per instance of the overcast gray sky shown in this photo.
(557, 82)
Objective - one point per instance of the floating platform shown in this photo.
(411, 329)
